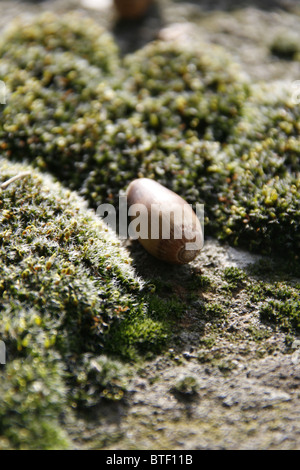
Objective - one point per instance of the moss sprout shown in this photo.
(235, 278)
(186, 388)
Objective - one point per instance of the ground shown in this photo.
(227, 376)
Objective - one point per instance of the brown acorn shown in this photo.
(132, 9)
(164, 223)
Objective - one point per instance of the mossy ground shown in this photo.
(64, 281)
(220, 334)
(189, 119)
(77, 320)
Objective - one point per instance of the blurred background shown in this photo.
(264, 35)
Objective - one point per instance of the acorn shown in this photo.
(163, 222)
(132, 9)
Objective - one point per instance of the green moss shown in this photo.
(65, 281)
(235, 278)
(258, 334)
(32, 397)
(71, 305)
(285, 46)
(64, 33)
(285, 314)
(226, 366)
(189, 119)
(279, 303)
(186, 388)
(208, 341)
(215, 311)
(147, 334)
(262, 199)
(186, 90)
(98, 377)
(201, 282)
(166, 309)
(138, 336)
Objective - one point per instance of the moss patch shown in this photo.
(279, 303)
(64, 281)
(188, 119)
(286, 46)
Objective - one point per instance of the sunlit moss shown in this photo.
(64, 281)
(189, 119)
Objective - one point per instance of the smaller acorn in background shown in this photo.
(132, 9)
